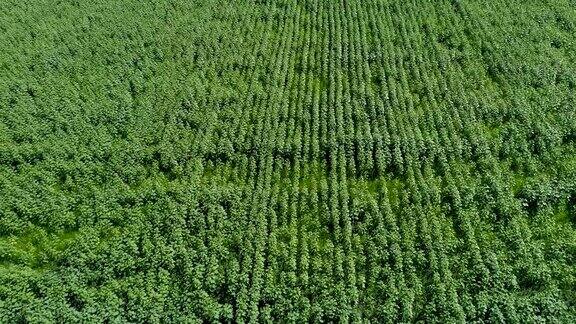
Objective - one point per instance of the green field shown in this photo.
(288, 161)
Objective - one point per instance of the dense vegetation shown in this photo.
(288, 160)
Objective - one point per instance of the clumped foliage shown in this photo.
(288, 161)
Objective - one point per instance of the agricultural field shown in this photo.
(297, 161)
